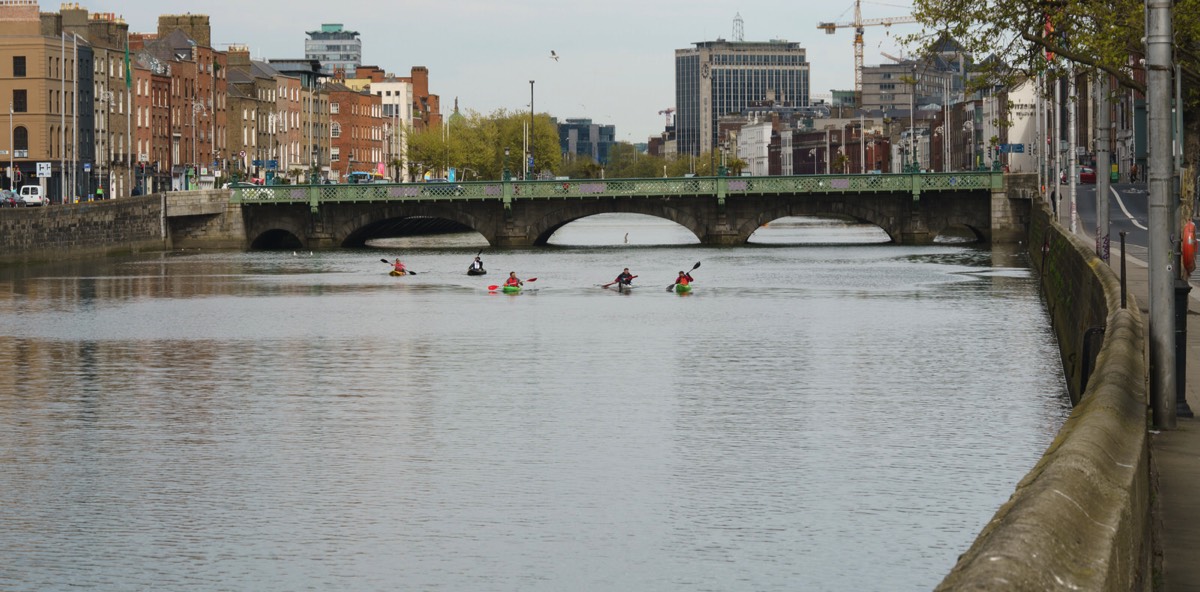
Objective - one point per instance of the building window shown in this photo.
(19, 66)
(20, 139)
(335, 129)
(333, 108)
(19, 101)
(335, 153)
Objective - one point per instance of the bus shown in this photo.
(365, 177)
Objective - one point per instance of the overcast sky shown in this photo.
(616, 56)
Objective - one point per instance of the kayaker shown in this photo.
(684, 278)
(513, 280)
(398, 266)
(625, 278)
(477, 264)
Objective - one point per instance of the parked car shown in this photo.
(31, 195)
(7, 199)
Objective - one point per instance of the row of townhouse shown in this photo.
(97, 108)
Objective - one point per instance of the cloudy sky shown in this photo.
(617, 56)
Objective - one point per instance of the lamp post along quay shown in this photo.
(1163, 239)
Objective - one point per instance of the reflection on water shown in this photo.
(833, 418)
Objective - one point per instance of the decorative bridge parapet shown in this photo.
(911, 208)
(720, 187)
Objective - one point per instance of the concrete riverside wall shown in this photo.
(1080, 520)
(90, 229)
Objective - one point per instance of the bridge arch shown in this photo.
(550, 220)
(276, 238)
(358, 225)
(888, 215)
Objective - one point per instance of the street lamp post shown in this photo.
(12, 151)
(912, 117)
(506, 173)
(969, 126)
(531, 134)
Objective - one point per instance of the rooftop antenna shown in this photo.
(738, 34)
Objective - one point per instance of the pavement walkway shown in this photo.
(1175, 454)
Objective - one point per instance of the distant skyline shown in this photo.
(616, 60)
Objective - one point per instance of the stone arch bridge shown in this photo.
(910, 208)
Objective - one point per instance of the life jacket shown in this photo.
(684, 280)
(624, 278)
(398, 267)
(512, 281)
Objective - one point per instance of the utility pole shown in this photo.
(1162, 241)
(1103, 127)
(1072, 156)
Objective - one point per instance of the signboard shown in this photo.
(3, 152)
(451, 174)
(143, 157)
(272, 164)
(1012, 149)
(242, 154)
(43, 169)
(256, 163)
(87, 167)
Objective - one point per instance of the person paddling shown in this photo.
(477, 264)
(624, 279)
(398, 267)
(684, 278)
(513, 280)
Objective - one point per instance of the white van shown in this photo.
(31, 195)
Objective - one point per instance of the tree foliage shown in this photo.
(1010, 39)
(474, 144)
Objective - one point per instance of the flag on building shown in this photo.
(128, 72)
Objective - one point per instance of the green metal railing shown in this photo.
(721, 187)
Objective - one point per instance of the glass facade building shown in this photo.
(716, 78)
(335, 48)
(581, 137)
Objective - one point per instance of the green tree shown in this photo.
(1012, 39)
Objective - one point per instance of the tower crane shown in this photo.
(668, 111)
(858, 24)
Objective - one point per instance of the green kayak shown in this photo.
(512, 289)
(683, 288)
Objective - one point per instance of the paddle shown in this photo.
(494, 288)
(694, 268)
(405, 271)
(615, 281)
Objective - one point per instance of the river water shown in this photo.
(824, 417)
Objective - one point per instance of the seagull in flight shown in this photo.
(553, 55)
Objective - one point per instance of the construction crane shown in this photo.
(668, 111)
(858, 24)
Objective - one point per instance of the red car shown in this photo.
(1086, 175)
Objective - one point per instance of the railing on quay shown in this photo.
(721, 187)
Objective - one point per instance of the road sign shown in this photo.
(43, 169)
(257, 163)
(87, 167)
(272, 164)
(242, 154)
